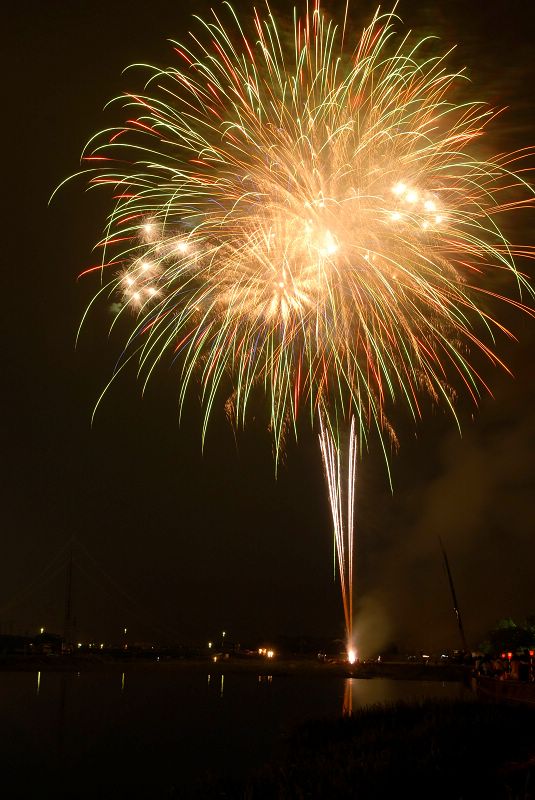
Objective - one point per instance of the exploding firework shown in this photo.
(306, 213)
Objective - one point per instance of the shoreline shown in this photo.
(280, 667)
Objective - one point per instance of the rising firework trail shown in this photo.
(306, 213)
(342, 516)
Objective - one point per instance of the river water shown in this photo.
(150, 734)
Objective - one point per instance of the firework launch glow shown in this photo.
(303, 210)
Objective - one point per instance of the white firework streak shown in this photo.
(343, 523)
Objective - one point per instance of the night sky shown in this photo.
(211, 541)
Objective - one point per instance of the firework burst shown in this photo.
(310, 216)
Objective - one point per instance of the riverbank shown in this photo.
(275, 667)
(438, 750)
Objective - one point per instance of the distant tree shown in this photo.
(507, 623)
(508, 636)
(530, 623)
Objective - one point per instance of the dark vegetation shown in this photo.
(509, 635)
(432, 750)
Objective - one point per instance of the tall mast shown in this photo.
(67, 623)
(454, 597)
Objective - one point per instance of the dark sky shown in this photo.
(211, 541)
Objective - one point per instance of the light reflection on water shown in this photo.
(168, 724)
(359, 692)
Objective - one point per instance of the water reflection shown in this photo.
(69, 724)
(62, 705)
(347, 705)
(362, 692)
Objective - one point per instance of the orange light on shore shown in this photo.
(351, 656)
